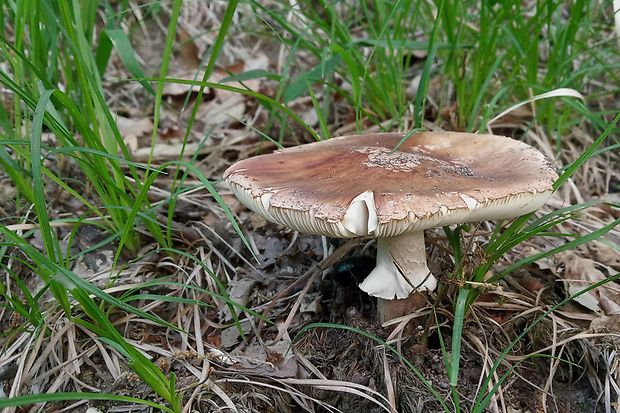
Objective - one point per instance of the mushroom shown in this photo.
(359, 185)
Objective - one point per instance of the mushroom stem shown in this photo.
(390, 309)
(401, 267)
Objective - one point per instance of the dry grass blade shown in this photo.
(561, 92)
(584, 335)
(17, 383)
(389, 383)
(294, 393)
(110, 359)
(221, 394)
(343, 386)
(310, 274)
(484, 350)
(283, 328)
(27, 227)
(611, 380)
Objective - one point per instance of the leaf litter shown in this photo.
(300, 279)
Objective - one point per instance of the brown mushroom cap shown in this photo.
(354, 185)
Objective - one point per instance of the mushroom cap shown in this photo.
(357, 185)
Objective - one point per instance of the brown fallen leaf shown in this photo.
(132, 130)
(579, 273)
(605, 210)
(604, 254)
(188, 54)
(215, 339)
(221, 112)
(239, 291)
(611, 323)
(270, 360)
(531, 284)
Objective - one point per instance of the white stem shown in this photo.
(401, 267)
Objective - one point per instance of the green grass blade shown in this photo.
(457, 332)
(60, 397)
(119, 40)
(52, 248)
(587, 154)
(567, 246)
(302, 84)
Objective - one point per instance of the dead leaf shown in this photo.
(531, 284)
(579, 273)
(272, 360)
(239, 291)
(188, 51)
(611, 323)
(311, 303)
(257, 221)
(230, 336)
(221, 112)
(215, 339)
(274, 249)
(133, 129)
(179, 89)
(604, 254)
(232, 202)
